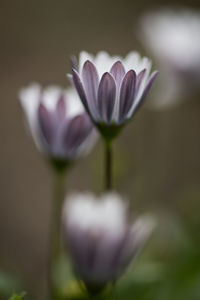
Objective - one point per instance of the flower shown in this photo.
(173, 39)
(112, 88)
(57, 121)
(101, 242)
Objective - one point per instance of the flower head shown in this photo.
(100, 239)
(173, 38)
(57, 120)
(112, 88)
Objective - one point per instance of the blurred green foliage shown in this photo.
(18, 297)
(8, 285)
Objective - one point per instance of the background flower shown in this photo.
(173, 38)
(101, 241)
(57, 120)
(112, 88)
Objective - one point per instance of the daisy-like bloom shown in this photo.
(112, 88)
(100, 240)
(58, 122)
(173, 38)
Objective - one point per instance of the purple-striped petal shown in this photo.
(81, 249)
(90, 82)
(76, 131)
(118, 72)
(137, 237)
(74, 62)
(146, 90)
(79, 88)
(46, 124)
(139, 80)
(127, 93)
(106, 96)
(111, 246)
(61, 108)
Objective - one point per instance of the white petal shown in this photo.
(50, 96)
(103, 62)
(29, 98)
(131, 61)
(74, 104)
(83, 57)
(87, 212)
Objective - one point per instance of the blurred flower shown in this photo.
(100, 239)
(173, 37)
(112, 88)
(57, 120)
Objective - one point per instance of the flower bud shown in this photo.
(101, 242)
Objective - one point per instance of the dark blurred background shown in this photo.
(157, 157)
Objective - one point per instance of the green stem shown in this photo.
(55, 223)
(59, 194)
(108, 166)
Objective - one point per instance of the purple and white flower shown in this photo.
(112, 88)
(173, 38)
(100, 240)
(58, 122)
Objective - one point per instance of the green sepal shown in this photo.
(109, 132)
(60, 165)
